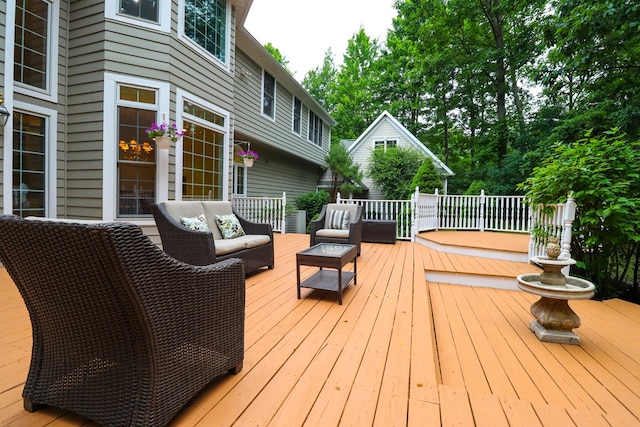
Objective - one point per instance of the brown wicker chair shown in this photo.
(199, 248)
(321, 232)
(123, 334)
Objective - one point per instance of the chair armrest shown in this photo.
(318, 224)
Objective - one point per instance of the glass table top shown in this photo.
(328, 249)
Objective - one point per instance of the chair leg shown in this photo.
(236, 369)
(31, 406)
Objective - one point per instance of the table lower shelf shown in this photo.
(327, 280)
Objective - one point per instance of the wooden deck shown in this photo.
(399, 351)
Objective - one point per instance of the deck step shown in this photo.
(493, 245)
(489, 259)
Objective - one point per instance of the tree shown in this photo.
(345, 175)
(275, 52)
(321, 82)
(392, 171)
(604, 175)
(354, 110)
(426, 179)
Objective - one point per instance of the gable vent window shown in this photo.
(385, 144)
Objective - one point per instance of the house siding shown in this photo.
(95, 50)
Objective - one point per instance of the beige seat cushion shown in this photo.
(333, 233)
(227, 246)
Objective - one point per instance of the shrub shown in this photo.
(604, 175)
(312, 203)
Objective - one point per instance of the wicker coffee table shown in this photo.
(328, 255)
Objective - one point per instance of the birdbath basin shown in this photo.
(554, 318)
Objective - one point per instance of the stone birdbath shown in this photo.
(555, 320)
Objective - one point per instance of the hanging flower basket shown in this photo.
(248, 157)
(163, 134)
(163, 142)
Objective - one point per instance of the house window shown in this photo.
(144, 9)
(385, 144)
(137, 109)
(239, 179)
(31, 42)
(203, 153)
(315, 128)
(297, 116)
(268, 95)
(29, 164)
(205, 22)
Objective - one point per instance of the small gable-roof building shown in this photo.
(387, 132)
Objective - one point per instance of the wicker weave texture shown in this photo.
(122, 333)
(198, 248)
(355, 230)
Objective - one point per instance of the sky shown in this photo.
(303, 30)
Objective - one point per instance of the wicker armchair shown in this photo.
(200, 248)
(321, 231)
(123, 334)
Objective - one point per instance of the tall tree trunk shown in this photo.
(491, 12)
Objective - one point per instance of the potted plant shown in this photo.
(248, 157)
(164, 134)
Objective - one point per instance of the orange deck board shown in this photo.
(399, 351)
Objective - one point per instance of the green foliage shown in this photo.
(603, 173)
(345, 175)
(426, 179)
(312, 203)
(392, 171)
(275, 52)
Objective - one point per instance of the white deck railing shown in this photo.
(424, 212)
(271, 210)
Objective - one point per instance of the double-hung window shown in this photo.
(268, 95)
(29, 164)
(296, 126)
(206, 24)
(137, 108)
(315, 128)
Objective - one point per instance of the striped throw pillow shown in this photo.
(339, 220)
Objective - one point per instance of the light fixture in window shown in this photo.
(4, 112)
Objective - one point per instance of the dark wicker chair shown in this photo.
(198, 248)
(123, 334)
(320, 233)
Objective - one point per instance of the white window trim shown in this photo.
(51, 145)
(237, 166)
(385, 141)
(181, 96)
(321, 142)
(50, 93)
(275, 96)
(293, 112)
(109, 149)
(226, 64)
(112, 11)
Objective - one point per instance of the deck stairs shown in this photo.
(473, 258)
